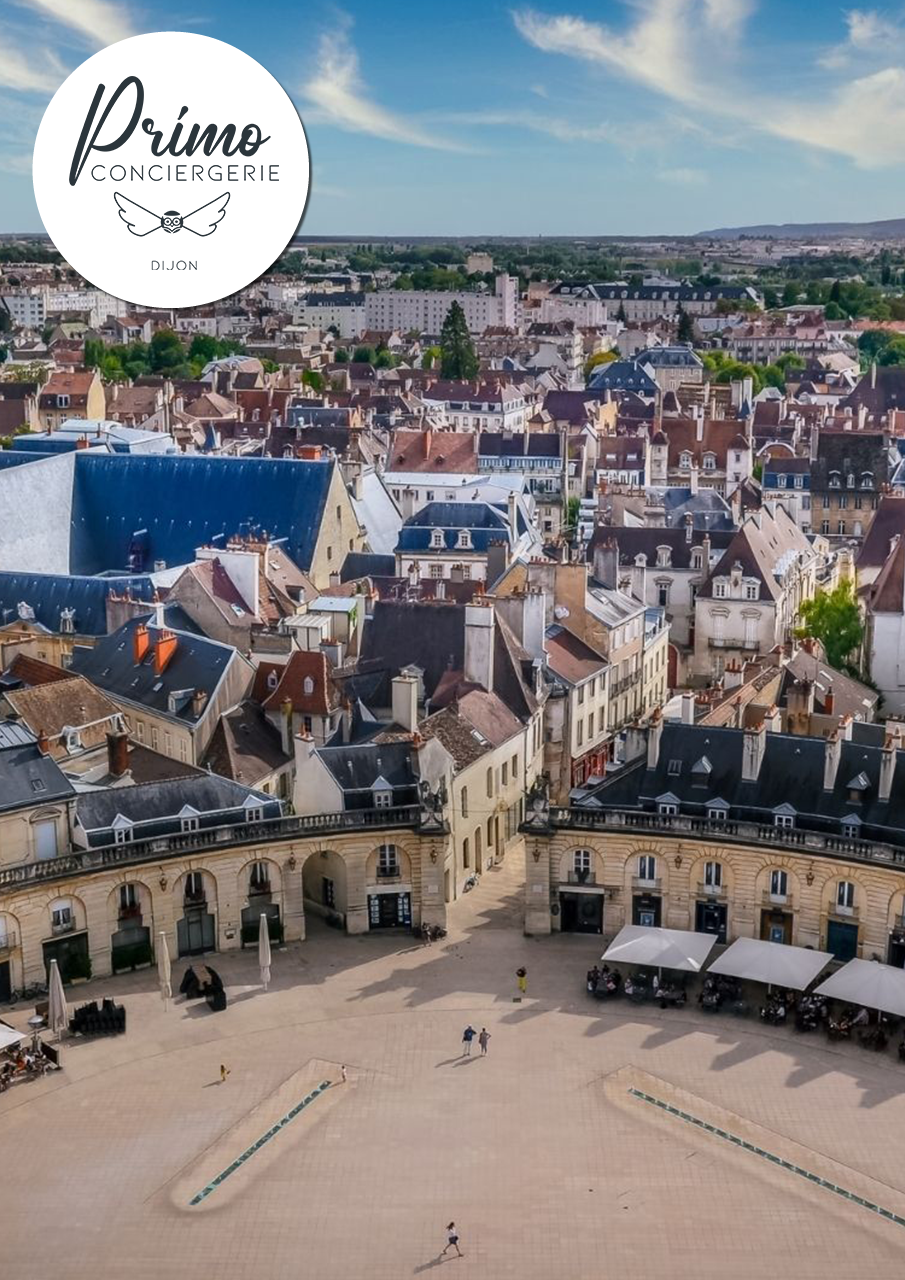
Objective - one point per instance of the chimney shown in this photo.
(688, 708)
(513, 517)
(440, 589)
(166, 646)
(405, 702)
(606, 563)
(887, 768)
(117, 754)
(199, 698)
(43, 743)
(829, 702)
(689, 527)
(426, 437)
(705, 553)
(286, 726)
(773, 720)
(654, 734)
(753, 748)
(699, 423)
(733, 675)
(140, 642)
(831, 758)
(873, 375)
(693, 479)
(479, 643)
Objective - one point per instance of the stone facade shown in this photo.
(814, 867)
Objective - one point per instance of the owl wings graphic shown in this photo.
(141, 221)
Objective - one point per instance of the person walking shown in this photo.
(344, 1075)
(522, 975)
(467, 1036)
(482, 1041)
(223, 1073)
(452, 1240)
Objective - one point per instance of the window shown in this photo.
(505, 774)
(61, 916)
(188, 824)
(328, 892)
(783, 820)
(128, 899)
(713, 875)
(259, 878)
(514, 767)
(845, 896)
(720, 590)
(716, 814)
(383, 798)
(709, 462)
(466, 853)
(387, 860)
(122, 835)
(580, 732)
(663, 594)
(46, 839)
(490, 783)
(437, 538)
(307, 723)
(490, 833)
(436, 571)
(674, 768)
(667, 808)
(463, 799)
(752, 591)
(581, 861)
(590, 726)
(155, 737)
(779, 885)
(255, 813)
(647, 868)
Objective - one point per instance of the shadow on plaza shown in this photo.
(426, 975)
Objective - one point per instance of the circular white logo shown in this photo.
(170, 169)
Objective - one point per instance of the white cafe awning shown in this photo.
(774, 963)
(660, 948)
(869, 983)
(10, 1036)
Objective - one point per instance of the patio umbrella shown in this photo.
(57, 1012)
(774, 963)
(264, 951)
(164, 972)
(868, 983)
(661, 948)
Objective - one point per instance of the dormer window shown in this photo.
(664, 557)
(272, 680)
(709, 462)
(851, 826)
(867, 480)
(437, 539)
(851, 480)
(720, 590)
(857, 787)
(784, 817)
(685, 461)
(835, 480)
(308, 686)
(464, 542)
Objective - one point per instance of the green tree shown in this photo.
(364, 355)
(430, 357)
(311, 378)
(833, 618)
(620, 314)
(166, 354)
(790, 294)
(598, 358)
(685, 328)
(457, 353)
(340, 356)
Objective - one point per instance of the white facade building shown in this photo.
(423, 311)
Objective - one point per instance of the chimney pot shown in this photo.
(117, 754)
(167, 644)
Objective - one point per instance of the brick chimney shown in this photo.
(43, 743)
(140, 642)
(832, 756)
(829, 702)
(887, 769)
(753, 747)
(117, 754)
(167, 644)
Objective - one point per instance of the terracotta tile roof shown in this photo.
(74, 703)
(32, 671)
(306, 681)
(570, 657)
(433, 451)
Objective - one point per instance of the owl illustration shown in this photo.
(141, 221)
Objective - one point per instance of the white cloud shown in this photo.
(867, 29)
(340, 97)
(552, 126)
(683, 177)
(19, 73)
(676, 48)
(102, 21)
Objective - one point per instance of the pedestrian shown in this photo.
(223, 1073)
(522, 975)
(482, 1041)
(452, 1240)
(343, 1070)
(467, 1036)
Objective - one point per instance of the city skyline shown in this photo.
(661, 116)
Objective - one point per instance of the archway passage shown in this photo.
(196, 929)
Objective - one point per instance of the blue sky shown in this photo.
(579, 117)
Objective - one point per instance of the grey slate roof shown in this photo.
(28, 778)
(157, 801)
(198, 663)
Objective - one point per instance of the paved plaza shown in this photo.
(549, 1153)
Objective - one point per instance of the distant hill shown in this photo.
(891, 229)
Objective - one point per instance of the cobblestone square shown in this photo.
(547, 1162)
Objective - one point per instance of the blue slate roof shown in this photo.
(622, 375)
(484, 523)
(48, 594)
(129, 510)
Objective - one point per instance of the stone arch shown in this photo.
(11, 961)
(130, 924)
(196, 898)
(568, 865)
(259, 891)
(325, 880)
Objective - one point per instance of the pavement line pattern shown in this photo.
(736, 1141)
(272, 1132)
